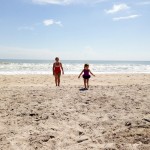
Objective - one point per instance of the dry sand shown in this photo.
(114, 114)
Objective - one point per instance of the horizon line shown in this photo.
(67, 59)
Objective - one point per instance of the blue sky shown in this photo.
(75, 29)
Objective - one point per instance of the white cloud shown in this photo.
(126, 17)
(66, 2)
(49, 22)
(52, 1)
(144, 3)
(58, 23)
(26, 28)
(117, 8)
(46, 22)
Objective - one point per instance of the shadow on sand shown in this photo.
(83, 89)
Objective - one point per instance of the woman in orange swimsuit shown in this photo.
(57, 67)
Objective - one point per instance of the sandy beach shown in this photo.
(114, 114)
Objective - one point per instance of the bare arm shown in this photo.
(62, 68)
(80, 73)
(53, 68)
(91, 73)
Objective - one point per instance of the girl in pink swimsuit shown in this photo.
(57, 67)
(86, 75)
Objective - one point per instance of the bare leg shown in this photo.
(85, 83)
(56, 79)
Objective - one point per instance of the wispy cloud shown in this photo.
(49, 22)
(67, 2)
(144, 3)
(58, 2)
(25, 28)
(26, 53)
(117, 8)
(46, 22)
(126, 17)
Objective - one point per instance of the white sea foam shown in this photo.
(73, 67)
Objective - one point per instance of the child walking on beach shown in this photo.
(57, 67)
(86, 75)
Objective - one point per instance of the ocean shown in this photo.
(14, 67)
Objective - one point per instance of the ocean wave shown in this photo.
(5, 63)
(73, 67)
